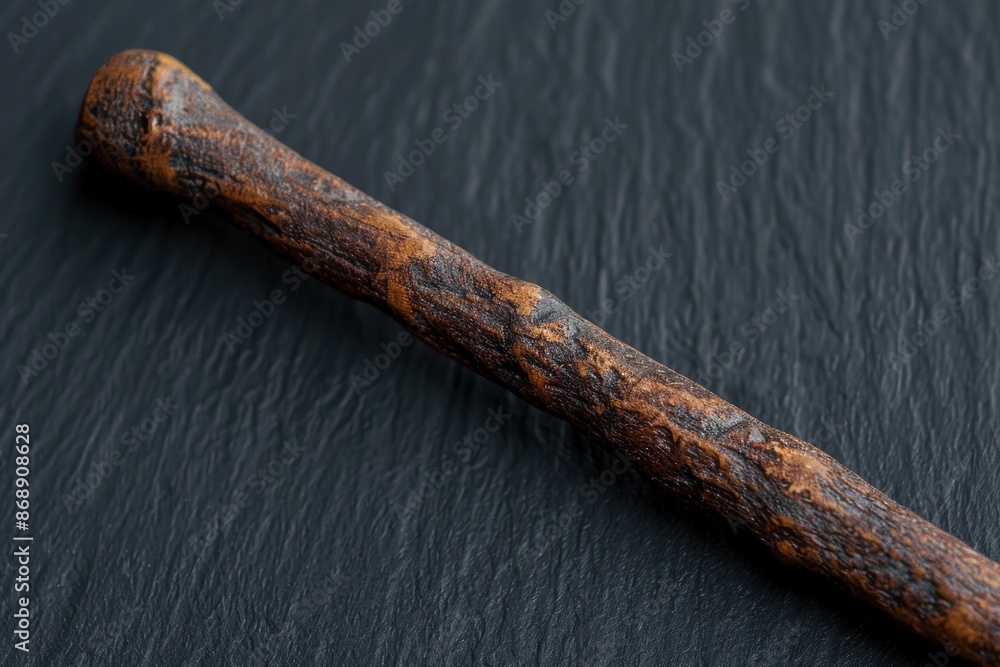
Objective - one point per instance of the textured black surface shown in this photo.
(507, 559)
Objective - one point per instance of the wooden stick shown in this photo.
(150, 118)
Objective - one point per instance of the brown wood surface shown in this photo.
(151, 119)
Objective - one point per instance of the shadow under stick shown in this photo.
(150, 118)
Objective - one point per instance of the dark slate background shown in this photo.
(507, 561)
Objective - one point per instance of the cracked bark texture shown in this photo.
(154, 121)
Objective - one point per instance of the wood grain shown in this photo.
(151, 119)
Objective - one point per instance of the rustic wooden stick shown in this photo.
(150, 118)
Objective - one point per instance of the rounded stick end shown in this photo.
(128, 103)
